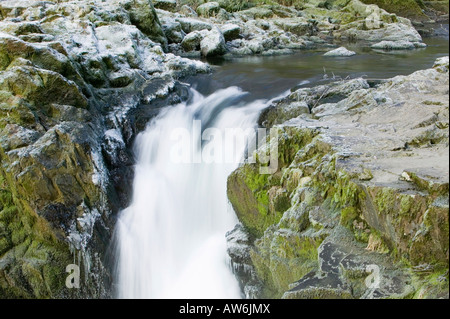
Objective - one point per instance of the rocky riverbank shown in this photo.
(361, 190)
(79, 80)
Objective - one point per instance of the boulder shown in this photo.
(173, 32)
(208, 9)
(230, 31)
(213, 44)
(143, 15)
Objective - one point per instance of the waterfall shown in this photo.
(171, 239)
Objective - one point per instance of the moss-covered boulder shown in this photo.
(143, 15)
(341, 215)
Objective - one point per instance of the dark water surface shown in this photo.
(267, 77)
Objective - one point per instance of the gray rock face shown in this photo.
(213, 44)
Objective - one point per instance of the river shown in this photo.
(171, 239)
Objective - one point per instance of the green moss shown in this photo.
(283, 258)
(431, 285)
(39, 260)
(348, 215)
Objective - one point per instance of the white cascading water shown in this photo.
(171, 239)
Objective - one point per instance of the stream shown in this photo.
(171, 239)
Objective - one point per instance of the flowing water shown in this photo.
(171, 239)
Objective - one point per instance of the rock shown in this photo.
(143, 15)
(375, 24)
(297, 26)
(42, 86)
(314, 100)
(208, 9)
(408, 8)
(74, 80)
(282, 112)
(191, 41)
(234, 5)
(230, 31)
(397, 45)
(173, 32)
(442, 65)
(238, 248)
(355, 208)
(168, 5)
(213, 44)
(188, 25)
(257, 13)
(340, 52)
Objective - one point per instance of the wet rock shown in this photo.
(188, 11)
(297, 26)
(71, 75)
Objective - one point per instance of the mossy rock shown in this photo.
(283, 257)
(411, 9)
(34, 260)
